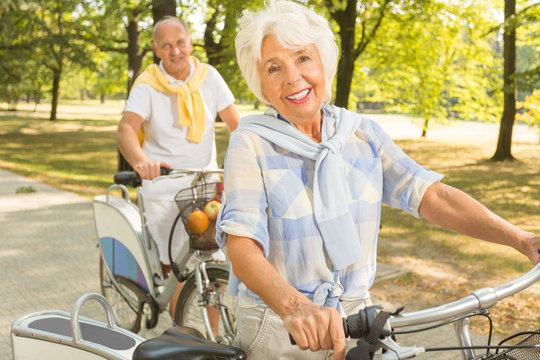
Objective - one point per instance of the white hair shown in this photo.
(293, 25)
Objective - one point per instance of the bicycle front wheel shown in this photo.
(220, 306)
(123, 299)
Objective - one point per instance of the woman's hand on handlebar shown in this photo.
(317, 328)
(150, 169)
(531, 248)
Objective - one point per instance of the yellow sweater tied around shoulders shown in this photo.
(190, 103)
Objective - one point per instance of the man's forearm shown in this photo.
(129, 146)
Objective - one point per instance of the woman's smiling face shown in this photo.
(292, 80)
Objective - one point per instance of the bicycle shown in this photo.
(131, 275)
(375, 329)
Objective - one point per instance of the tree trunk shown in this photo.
(347, 29)
(55, 92)
(425, 127)
(161, 8)
(134, 60)
(504, 143)
(212, 48)
(344, 77)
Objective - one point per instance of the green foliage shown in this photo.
(41, 37)
(25, 190)
(430, 58)
(531, 110)
(216, 37)
(528, 45)
(110, 77)
(433, 60)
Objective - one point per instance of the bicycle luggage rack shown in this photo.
(55, 334)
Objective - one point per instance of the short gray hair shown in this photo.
(294, 25)
(169, 18)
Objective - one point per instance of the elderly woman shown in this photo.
(304, 185)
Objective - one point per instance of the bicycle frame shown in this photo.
(479, 302)
(122, 231)
(44, 341)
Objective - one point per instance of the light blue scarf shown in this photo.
(330, 202)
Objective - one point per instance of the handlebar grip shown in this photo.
(164, 171)
(132, 178)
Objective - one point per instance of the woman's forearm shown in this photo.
(251, 267)
(313, 327)
(453, 209)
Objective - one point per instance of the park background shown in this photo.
(438, 69)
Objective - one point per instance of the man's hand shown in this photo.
(150, 169)
(317, 328)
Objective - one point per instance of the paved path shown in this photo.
(48, 256)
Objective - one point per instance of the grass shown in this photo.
(78, 153)
(444, 265)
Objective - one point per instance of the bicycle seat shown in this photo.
(185, 343)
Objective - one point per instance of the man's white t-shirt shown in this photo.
(165, 140)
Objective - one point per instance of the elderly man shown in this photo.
(169, 122)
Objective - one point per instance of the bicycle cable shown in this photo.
(404, 332)
(478, 347)
(490, 332)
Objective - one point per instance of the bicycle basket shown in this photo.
(191, 203)
(532, 338)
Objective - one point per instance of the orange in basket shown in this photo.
(197, 222)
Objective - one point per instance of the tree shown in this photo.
(21, 72)
(434, 61)
(161, 8)
(109, 76)
(214, 38)
(358, 22)
(124, 27)
(56, 34)
(527, 45)
(504, 142)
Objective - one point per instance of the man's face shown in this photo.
(173, 46)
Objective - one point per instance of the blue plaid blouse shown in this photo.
(268, 198)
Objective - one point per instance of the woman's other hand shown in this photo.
(316, 328)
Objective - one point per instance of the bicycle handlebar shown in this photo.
(480, 300)
(370, 325)
(133, 179)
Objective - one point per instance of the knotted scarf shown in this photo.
(330, 204)
(190, 102)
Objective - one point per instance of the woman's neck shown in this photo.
(312, 130)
